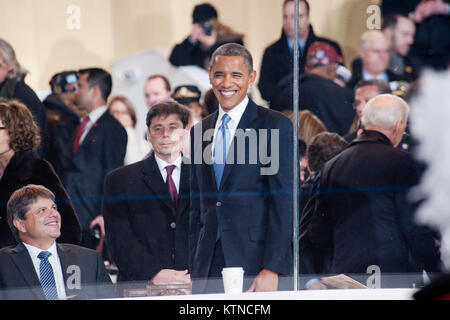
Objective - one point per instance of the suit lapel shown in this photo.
(22, 260)
(93, 132)
(246, 122)
(209, 124)
(183, 193)
(154, 180)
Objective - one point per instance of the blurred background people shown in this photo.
(277, 63)
(21, 165)
(374, 55)
(157, 88)
(323, 147)
(98, 147)
(210, 101)
(400, 31)
(63, 118)
(189, 95)
(432, 17)
(364, 91)
(122, 109)
(319, 93)
(12, 86)
(207, 34)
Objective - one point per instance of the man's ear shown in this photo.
(18, 223)
(252, 77)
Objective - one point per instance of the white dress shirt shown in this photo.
(55, 263)
(93, 117)
(176, 174)
(235, 114)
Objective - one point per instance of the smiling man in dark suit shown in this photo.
(38, 268)
(146, 205)
(99, 146)
(240, 208)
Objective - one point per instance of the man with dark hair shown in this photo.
(432, 18)
(157, 88)
(400, 31)
(206, 36)
(322, 148)
(364, 91)
(99, 146)
(277, 63)
(146, 205)
(240, 208)
(38, 267)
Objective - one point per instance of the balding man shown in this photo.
(364, 216)
(374, 54)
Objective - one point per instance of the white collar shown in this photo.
(235, 113)
(95, 114)
(163, 164)
(34, 251)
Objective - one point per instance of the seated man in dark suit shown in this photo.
(38, 267)
(363, 215)
(146, 205)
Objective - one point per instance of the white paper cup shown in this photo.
(233, 280)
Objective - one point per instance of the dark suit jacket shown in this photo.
(19, 281)
(277, 66)
(102, 150)
(144, 231)
(331, 103)
(357, 74)
(27, 167)
(363, 214)
(253, 210)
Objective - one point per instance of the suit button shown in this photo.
(173, 225)
(218, 203)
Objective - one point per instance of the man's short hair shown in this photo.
(99, 77)
(20, 201)
(391, 20)
(166, 108)
(304, 1)
(383, 86)
(233, 50)
(323, 147)
(163, 78)
(384, 117)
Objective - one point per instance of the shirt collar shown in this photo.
(34, 251)
(236, 113)
(163, 164)
(95, 114)
(367, 76)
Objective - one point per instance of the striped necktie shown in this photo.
(46, 276)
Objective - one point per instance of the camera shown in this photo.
(207, 28)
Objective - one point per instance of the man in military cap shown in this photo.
(189, 96)
(63, 117)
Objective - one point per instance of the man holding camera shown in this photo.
(206, 36)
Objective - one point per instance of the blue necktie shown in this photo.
(46, 276)
(220, 149)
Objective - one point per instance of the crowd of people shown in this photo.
(211, 184)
